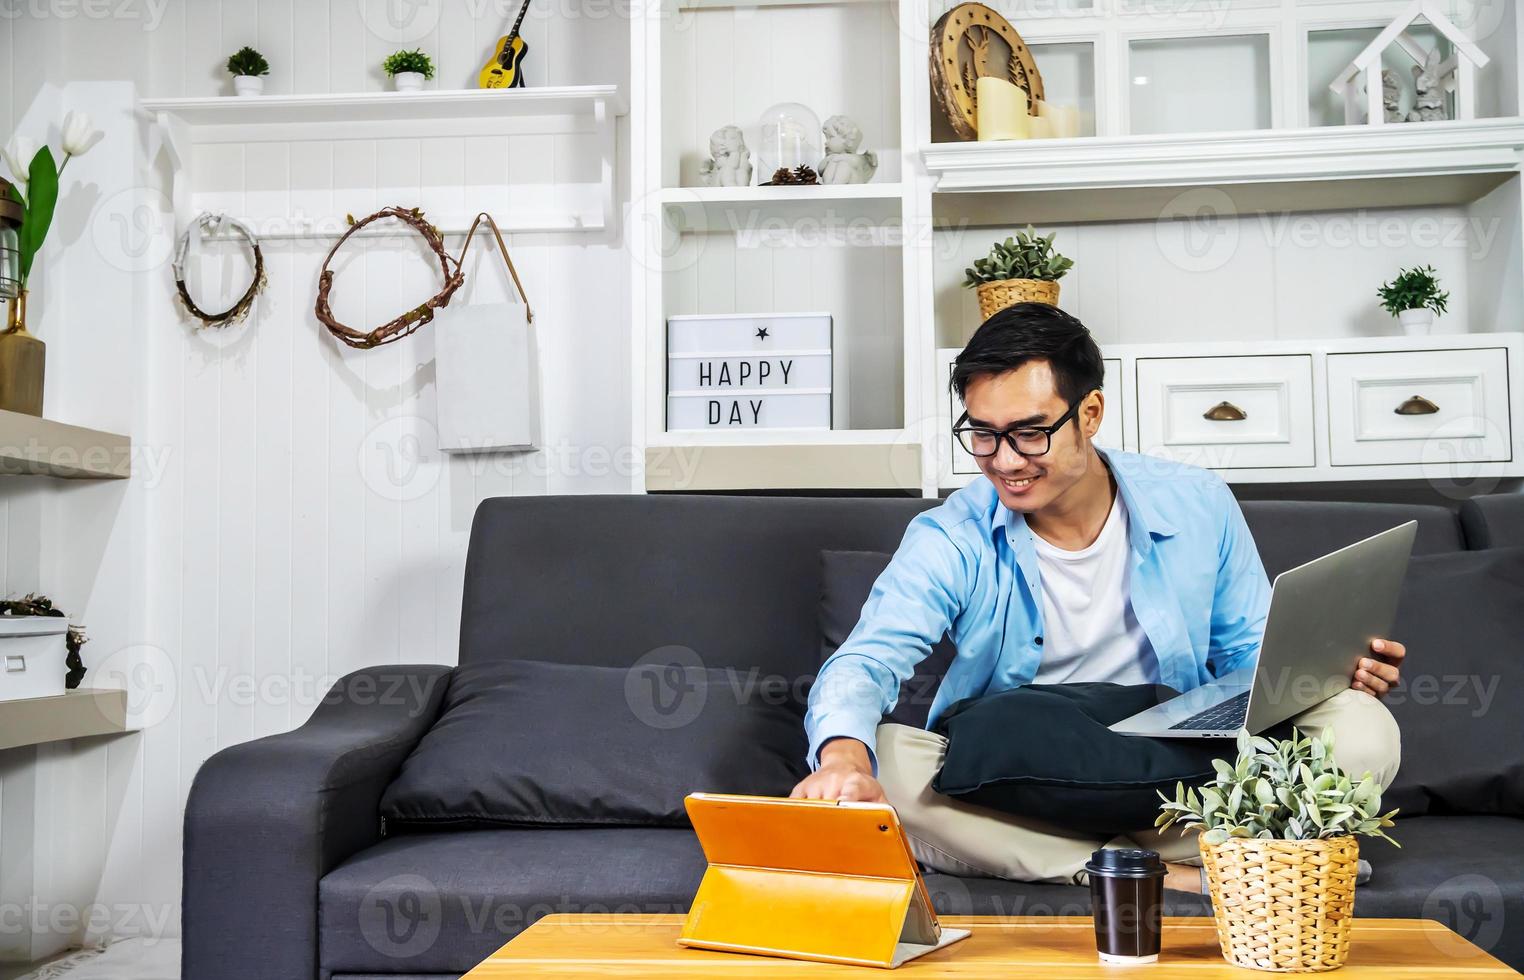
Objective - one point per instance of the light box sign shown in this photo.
(749, 371)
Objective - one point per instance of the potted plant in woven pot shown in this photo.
(1413, 298)
(1023, 269)
(1278, 833)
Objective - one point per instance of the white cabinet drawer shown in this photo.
(1433, 406)
(1109, 436)
(1227, 413)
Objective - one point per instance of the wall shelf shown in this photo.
(1116, 178)
(182, 125)
(862, 459)
(729, 208)
(79, 713)
(31, 446)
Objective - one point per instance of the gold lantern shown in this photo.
(22, 356)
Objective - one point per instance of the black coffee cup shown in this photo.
(1127, 898)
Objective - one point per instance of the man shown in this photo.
(1068, 563)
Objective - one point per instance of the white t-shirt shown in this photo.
(1089, 630)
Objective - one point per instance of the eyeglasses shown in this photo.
(1026, 440)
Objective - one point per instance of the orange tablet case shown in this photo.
(809, 879)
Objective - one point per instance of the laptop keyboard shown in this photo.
(1227, 716)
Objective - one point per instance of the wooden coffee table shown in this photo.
(1050, 946)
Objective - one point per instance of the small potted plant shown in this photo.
(1413, 298)
(408, 69)
(248, 68)
(1024, 269)
(1278, 832)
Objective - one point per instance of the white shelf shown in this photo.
(784, 437)
(713, 208)
(1411, 165)
(837, 459)
(184, 124)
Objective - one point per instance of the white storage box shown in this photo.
(33, 650)
(749, 371)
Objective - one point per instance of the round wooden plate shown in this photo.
(971, 41)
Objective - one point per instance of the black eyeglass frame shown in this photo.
(1008, 434)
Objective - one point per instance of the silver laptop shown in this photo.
(1323, 616)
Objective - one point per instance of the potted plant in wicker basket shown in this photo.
(1278, 841)
(1023, 269)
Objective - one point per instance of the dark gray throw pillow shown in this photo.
(524, 743)
(1044, 751)
(847, 579)
(1462, 620)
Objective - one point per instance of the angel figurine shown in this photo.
(842, 163)
(729, 164)
(1391, 95)
(1429, 105)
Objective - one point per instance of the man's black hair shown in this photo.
(1031, 332)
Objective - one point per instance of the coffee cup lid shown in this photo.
(1125, 862)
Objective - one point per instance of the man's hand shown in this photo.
(1379, 673)
(844, 774)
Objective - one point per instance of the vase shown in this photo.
(1285, 906)
(23, 360)
(1416, 323)
(247, 85)
(996, 296)
(408, 81)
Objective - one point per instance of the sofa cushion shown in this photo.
(440, 903)
(1289, 533)
(531, 744)
(846, 580)
(1466, 872)
(1462, 621)
(1495, 520)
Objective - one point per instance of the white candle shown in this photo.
(1002, 110)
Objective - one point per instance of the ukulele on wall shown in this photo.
(505, 70)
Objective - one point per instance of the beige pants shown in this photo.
(974, 841)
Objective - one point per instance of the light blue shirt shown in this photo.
(969, 569)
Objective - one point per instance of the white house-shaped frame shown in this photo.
(1462, 65)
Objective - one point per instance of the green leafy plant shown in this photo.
(248, 62)
(401, 61)
(1279, 789)
(1413, 289)
(1027, 256)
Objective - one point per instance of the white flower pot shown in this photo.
(1416, 323)
(246, 85)
(408, 81)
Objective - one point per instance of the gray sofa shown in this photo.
(288, 872)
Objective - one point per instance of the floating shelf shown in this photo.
(781, 459)
(1412, 165)
(77, 714)
(183, 124)
(31, 446)
(740, 208)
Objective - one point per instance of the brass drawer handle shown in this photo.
(1417, 405)
(1225, 412)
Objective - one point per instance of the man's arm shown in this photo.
(1242, 598)
(912, 604)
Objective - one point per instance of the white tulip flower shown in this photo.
(18, 157)
(79, 134)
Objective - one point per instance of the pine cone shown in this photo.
(804, 175)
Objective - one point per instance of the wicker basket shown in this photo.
(1283, 905)
(996, 296)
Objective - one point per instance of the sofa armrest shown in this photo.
(266, 819)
